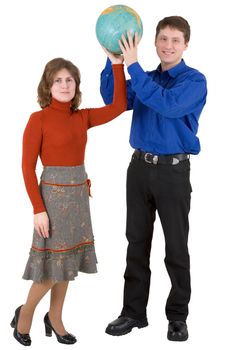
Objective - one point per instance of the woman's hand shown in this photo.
(115, 59)
(129, 48)
(41, 224)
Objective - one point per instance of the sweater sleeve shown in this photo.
(98, 116)
(32, 140)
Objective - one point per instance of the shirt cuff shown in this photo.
(107, 68)
(134, 69)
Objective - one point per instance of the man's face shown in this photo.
(170, 45)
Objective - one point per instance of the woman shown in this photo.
(63, 242)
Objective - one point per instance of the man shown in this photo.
(166, 104)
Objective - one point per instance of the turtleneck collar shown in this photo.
(60, 106)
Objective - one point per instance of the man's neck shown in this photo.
(167, 66)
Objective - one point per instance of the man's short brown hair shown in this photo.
(175, 22)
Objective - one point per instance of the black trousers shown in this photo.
(167, 189)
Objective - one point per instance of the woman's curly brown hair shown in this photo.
(46, 82)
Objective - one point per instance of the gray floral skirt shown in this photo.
(70, 246)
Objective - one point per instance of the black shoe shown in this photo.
(177, 331)
(23, 339)
(124, 325)
(64, 339)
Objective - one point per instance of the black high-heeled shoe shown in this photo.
(64, 339)
(23, 339)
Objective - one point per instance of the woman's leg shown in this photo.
(58, 293)
(36, 293)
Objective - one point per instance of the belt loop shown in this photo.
(155, 159)
(137, 153)
(89, 187)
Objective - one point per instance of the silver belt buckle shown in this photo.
(145, 157)
(154, 158)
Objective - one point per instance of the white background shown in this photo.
(32, 32)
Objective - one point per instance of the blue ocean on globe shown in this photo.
(115, 21)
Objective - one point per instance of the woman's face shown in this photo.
(63, 88)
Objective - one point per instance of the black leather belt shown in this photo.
(172, 159)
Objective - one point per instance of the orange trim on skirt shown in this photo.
(87, 182)
(62, 250)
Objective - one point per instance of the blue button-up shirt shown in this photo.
(166, 107)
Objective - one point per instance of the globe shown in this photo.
(115, 21)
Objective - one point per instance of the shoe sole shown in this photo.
(118, 333)
(177, 338)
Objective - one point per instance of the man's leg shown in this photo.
(173, 205)
(139, 232)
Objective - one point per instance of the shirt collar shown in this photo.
(174, 71)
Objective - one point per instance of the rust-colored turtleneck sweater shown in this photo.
(59, 136)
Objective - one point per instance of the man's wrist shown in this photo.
(130, 63)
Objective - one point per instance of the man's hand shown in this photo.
(41, 224)
(129, 48)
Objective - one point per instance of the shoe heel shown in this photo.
(143, 324)
(13, 323)
(48, 331)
